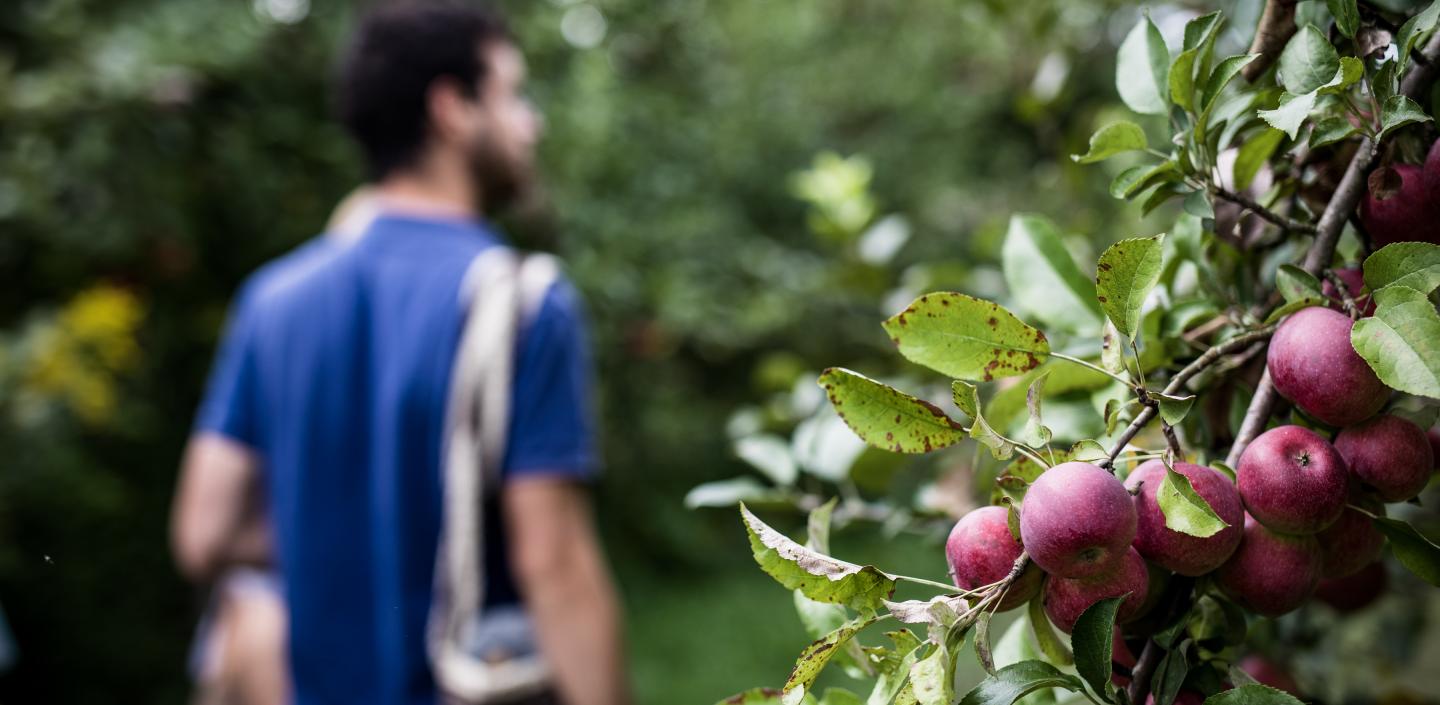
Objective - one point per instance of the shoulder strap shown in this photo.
(504, 292)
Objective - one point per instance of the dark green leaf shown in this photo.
(1197, 203)
(886, 417)
(1043, 276)
(1184, 509)
(1399, 111)
(1347, 16)
(1292, 307)
(1141, 69)
(1169, 675)
(1308, 62)
(1018, 680)
(818, 576)
(1331, 130)
(1418, 553)
(1254, 694)
(1174, 408)
(1291, 114)
(1094, 641)
(1110, 140)
(1253, 155)
(966, 338)
(1401, 342)
(1126, 274)
(1295, 283)
(1414, 28)
(1221, 77)
(1350, 71)
(1412, 264)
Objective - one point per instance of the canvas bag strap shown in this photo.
(503, 291)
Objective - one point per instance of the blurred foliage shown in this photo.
(154, 152)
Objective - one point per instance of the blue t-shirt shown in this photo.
(335, 368)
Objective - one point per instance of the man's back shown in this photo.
(336, 369)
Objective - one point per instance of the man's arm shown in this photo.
(567, 588)
(213, 521)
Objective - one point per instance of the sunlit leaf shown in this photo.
(1398, 112)
(818, 576)
(1411, 264)
(816, 656)
(1291, 113)
(966, 338)
(1126, 274)
(1184, 509)
(1116, 138)
(886, 417)
(1044, 278)
(1401, 342)
(1141, 69)
(1308, 62)
(1018, 680)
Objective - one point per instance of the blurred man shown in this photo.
(331, 385)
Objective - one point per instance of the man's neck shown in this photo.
(426, 192)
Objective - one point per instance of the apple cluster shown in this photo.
(1409, 209)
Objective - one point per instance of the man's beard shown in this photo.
(501, 181)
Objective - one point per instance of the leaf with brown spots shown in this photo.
(1128, 271)
(886, 417)
(815, 656)
(967, 338)
(820, 577)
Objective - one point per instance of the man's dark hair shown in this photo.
(399, 50)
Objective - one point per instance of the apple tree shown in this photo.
(1253, 386)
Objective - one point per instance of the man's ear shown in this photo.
(450, 109)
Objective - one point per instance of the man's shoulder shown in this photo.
(271, 284)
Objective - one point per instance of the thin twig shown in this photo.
(1254, 206)
(1177, 384)
(1346, 299)
(1144, 669)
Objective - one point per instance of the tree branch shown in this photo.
(1347, 299)
(1177, 384)
(1264, 213)
(1277, 26)
(1332, 222)
(1144, 670)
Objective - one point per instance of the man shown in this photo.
(330, 390)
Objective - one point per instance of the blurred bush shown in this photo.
(153, 152)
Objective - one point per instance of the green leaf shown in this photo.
(1174, 408)
(886, 417)
(1411, 264)
(1295, 283)
(1418, 553)
(1252, 155)
(1308, 62)
(727, 493)
(1050, 644)
(1414, 28)
(894, 667)
(1347, 16)
(1035, 434)
(1386, 82)
(1221, 77)
(1112, 349)
(839, 696)
(818, 618)
(930, 677)
(1399, 111)
(1127, 272)
(818, 576)
(1182, 79)
(754, 696)
(1184, 509)
(1291, 114)
(1088, 451)
(1018, 680)
(1292, 307)
(982, 643)
(1043, 276)
(1093, 638)
(1254, 694)
(1169, 675)
(1116, 138)
(1331, 130)
(817, 526)
(1012, 518)
(1138, 178)
(1197, 203)
(966, 338)
(815, 657)
(967, 398)
(1141, 69)
(1350, 71)
(1402, 341)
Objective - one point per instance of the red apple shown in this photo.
(1312, 363)
(1354, 592)
(1409, 214)
(1352, 542)
(1182, 553)
(1067, 598)
(1389, 454)
(1077, 520)
(1271, 573)
(981, 551)
(1292, 480)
